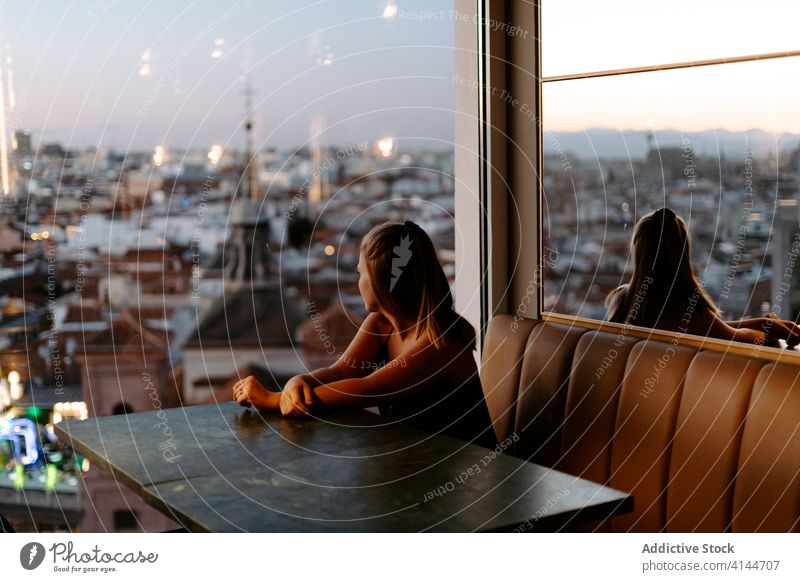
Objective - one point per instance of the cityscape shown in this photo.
(145, 269)
(196, 224)
(739, 198)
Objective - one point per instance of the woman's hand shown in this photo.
(779, 329)
(296, 397)
(249, 391)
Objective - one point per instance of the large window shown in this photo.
(128, 132)
(698, 114)
(184, 187)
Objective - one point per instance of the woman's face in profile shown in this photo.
(365, 286)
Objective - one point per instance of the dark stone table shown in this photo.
(224, 468)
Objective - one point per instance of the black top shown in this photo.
(453, 408)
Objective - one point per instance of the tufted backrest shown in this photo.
(705, 441)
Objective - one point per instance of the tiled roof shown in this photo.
(336, 322)
(249, 315)
(126, 334)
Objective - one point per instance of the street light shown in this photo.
(386, 146)
(390, 10)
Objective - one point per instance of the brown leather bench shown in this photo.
(705, 441)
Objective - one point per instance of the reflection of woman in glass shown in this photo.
(412, 356)
(665, 293)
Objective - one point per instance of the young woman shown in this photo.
(412, 356)
(665, 293)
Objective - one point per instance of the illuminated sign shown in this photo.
(22, 433)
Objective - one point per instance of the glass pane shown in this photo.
(580, 36)
(186, 185)
(719, 145)
(350, 106)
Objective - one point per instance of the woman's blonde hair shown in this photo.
(663, 281)
(409, 281)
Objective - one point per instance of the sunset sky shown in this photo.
(585, 35)
(135, 74)
(81, 74)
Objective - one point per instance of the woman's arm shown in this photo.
(359, 356)
(357, 360)
(419, 367)
(739, 323)
(723, 330)
(773, 327)
(324, 375)
(754, 323)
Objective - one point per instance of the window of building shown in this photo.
(121, 408)
(654, 116)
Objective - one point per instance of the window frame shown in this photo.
(490, 134)
(496, 161)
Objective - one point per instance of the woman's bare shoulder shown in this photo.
(376, 322)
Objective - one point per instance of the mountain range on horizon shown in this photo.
(613, 143)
